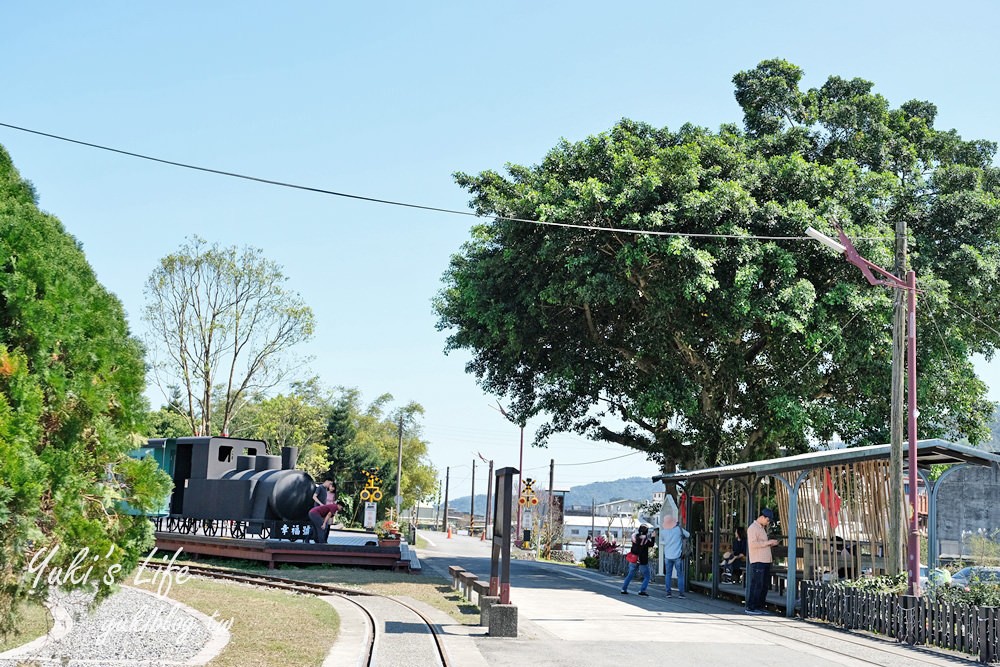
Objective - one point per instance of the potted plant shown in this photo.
(388, 533)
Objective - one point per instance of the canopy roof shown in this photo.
(929, 452)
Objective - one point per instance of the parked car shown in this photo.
(975, 574)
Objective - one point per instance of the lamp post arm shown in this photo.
(867, 267)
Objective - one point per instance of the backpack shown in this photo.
(686, 547)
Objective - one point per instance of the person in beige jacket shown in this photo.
(759, 554)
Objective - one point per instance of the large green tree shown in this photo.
(71, 383)
(680, 334)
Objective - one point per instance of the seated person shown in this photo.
(736, 560)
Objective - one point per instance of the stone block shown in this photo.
(485, 602)
(503, 620)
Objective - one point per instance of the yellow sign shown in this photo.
(528, 496)
(371, 492)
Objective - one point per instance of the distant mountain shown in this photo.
(631, 488)
(462, 504)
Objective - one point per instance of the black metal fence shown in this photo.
(239, 529)
(924, 620)
(612, 562)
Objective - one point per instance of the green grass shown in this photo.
(34, 622)
(268, 627)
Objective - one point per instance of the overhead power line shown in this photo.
(391, 202)
(586, 463)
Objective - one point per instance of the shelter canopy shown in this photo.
(929, 452)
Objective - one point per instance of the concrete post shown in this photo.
(502, 620)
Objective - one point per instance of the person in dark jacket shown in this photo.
(641, 542)
(737, 560)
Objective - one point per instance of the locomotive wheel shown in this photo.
(265, 532)
(171, 524)
(209, 528)
(238, 530)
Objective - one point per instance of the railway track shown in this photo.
(376, 638)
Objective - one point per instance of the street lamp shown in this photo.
(845, 247)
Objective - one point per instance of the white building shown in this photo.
(577, 528)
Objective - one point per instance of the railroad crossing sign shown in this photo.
(371, 490)
(528, 496)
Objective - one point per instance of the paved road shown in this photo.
(570, 616)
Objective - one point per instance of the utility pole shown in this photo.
(489, 497)
(399, 467)
(552, 476)
(447, 474)
(520, 488)
(437, 504)
(897, 526)
(472, 503)
(489, 492)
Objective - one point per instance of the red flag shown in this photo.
(829, 500)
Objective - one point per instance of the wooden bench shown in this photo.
(779, 579)
(454, 571)
(480, 588)
(467, 578)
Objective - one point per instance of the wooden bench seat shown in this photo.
(480, 588)
(467, 579)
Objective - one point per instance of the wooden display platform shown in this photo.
(275, 552)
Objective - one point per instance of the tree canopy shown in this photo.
(696, 324)
(223, 321)
(71, 383)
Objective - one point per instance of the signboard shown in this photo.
(293, 530)
(370, 510)
(500, 558)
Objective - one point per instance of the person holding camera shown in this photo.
(638, 559)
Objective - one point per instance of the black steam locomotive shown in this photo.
(230, 487)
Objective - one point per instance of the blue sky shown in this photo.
(388, 103)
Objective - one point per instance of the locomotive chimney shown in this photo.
(289, 457)
(264, 462)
